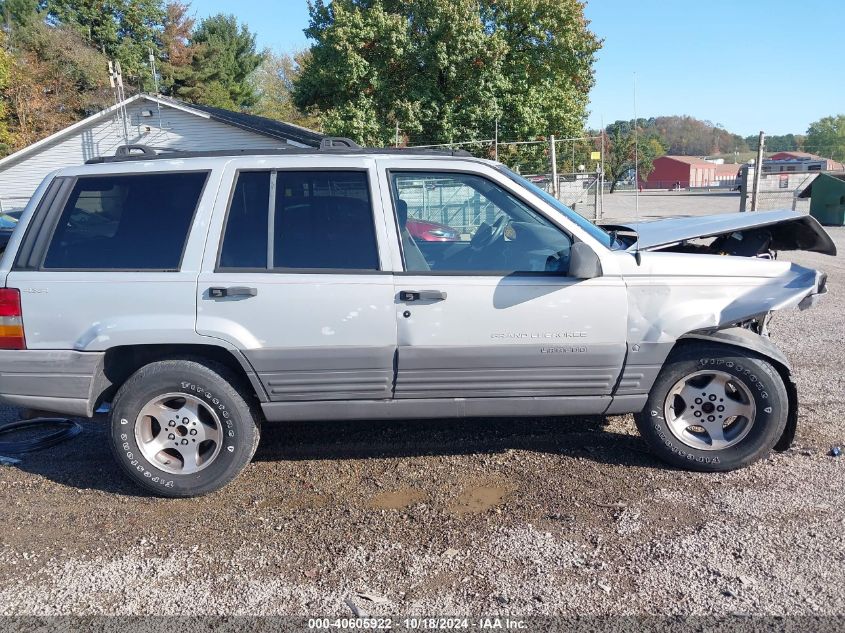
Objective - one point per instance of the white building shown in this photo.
(158, 122)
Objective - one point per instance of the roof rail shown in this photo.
(338, 146)
(331, 142)
(126, 150)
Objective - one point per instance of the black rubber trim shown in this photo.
(40, 224)
(69, 430)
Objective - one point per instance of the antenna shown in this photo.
(116, 83)
(636, 157)
(155, 83)
(153, 69)
(637, 255)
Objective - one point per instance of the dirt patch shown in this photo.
(396, 499)
(481, 499)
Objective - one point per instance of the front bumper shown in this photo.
(59, 381)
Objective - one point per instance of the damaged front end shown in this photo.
(758, 234)
(720, 283)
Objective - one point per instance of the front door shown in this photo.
(490, 312)
(298, 283)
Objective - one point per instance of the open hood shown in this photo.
(749, 233)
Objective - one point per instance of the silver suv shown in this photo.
(201, 295)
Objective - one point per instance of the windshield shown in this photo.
(596, 232)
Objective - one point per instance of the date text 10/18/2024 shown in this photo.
(481, 623)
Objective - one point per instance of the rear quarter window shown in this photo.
(126, 222)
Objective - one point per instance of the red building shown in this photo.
(688, 171)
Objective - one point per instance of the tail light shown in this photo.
(11, 320)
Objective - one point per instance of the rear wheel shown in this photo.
(714, 408)
(182, 428)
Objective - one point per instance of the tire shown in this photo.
(742, 382)
(184, 401)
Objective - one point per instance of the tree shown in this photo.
(55, 80)
(224, 57)
(688, 136)
(620, 150)
(176, 50)
(274, 82)
(18, 12)
(446, 70)
(6, 67)
(826, 137)
(777, 142)
(125, 30)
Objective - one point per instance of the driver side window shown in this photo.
(464, 223)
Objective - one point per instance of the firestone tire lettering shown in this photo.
(239, 419)
(755, 372)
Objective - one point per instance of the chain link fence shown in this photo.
(577, 167)
(777, 190)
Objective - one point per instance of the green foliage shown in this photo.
(122, 29)
(445, 70)
(18, 12)
(6, 65)
(688, 136)
(274, 81)
(55, 79)
(224, 58)
(826, 137)
(777, 142)
(176, 52)
(621, 142)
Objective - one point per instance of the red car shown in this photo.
(432, 231)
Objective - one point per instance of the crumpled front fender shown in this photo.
(664, 308)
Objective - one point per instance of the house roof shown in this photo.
(791, 154)
(690, 160)
(250, 122)
(254, 123)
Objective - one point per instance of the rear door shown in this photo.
(298, 281)
(110, 258)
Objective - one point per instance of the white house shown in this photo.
(158, 122)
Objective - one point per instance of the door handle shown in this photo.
(236, 291)
(421, 295)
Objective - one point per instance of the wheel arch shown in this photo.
(120, 362)
(746, 339)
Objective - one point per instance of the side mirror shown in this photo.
(583, 262)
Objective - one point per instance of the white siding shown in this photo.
(178, 129)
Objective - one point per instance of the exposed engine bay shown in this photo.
(750, 234)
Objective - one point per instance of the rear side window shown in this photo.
(300, 220)
(245, 238)
(133, 222)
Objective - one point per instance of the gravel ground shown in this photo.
(622, 205)
(538, 516)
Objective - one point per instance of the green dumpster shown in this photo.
(827, 199)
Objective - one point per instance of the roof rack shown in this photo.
(338, 141)
(329, 145)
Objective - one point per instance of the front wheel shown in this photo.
(714, 408)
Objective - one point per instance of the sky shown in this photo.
(748, 65)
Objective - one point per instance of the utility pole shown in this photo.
(496, 142)
(553, 156)
(397, 134)
(602, 168)
(758, 168)
(596, 194)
